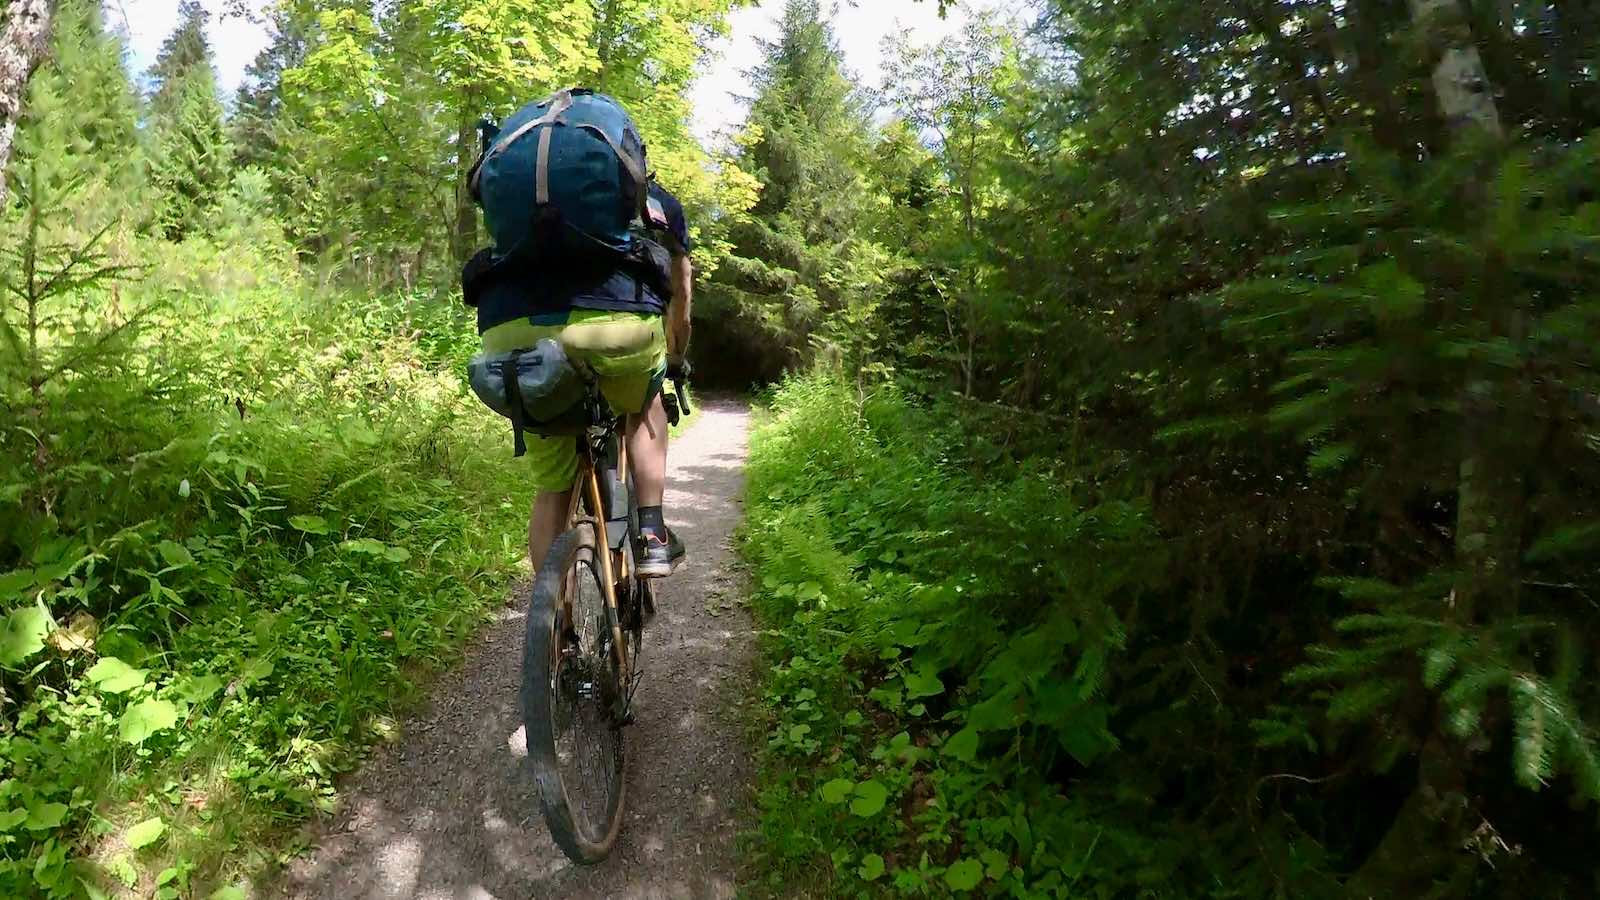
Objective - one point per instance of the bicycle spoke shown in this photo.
(584, 699)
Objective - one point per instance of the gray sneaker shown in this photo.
(658, 558)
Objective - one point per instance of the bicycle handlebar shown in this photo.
(677, 403)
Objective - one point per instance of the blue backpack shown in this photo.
(567, 174)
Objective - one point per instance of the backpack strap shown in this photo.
(487, 132)
(541, 170)
(635, 167)
(559, 103)
(519, 417)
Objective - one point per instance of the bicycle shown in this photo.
(585, 621)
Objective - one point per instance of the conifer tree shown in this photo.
(82, 118)
(191, 154)
(24, 35)
(259, 103)
(77, 175)
(807, 138)
(184, 50)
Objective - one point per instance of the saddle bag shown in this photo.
(538, 389)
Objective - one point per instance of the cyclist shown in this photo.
(615, 324)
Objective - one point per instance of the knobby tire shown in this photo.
(542, 698)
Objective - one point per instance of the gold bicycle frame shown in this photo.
(587, 486)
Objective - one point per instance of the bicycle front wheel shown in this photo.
(571, 698)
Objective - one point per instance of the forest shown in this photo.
(1176, 471)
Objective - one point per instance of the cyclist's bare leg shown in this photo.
(647, 458)
(647, 453)
(547, 520)
(647, 462)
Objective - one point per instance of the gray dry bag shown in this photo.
(538, 390)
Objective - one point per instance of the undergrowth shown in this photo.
(226, 565)
(940, 635)
(996, 673)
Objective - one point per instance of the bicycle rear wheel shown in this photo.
(571, 695)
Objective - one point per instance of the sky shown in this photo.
(721, 93)
(234, 41)
(717, 95)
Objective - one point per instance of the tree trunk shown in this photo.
(972, 344)
(1466, 100)
(1460, 84)
(464, 236)
(1422, 848)
(605, 34)
(23, 45)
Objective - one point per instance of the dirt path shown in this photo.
(451, 811)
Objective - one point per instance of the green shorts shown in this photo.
(627, 352)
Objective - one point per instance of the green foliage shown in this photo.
(80, 120)
(253, 579)
(175, 652)
(370, 161)
(259, 104)
(802, 273)
(191, 158)
(183, 54)
(1237, 267)
(145, 833)
(213, 597)
(956, 90)
(933, 662)
(1227, 532)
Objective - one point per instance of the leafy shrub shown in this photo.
(943, 639)
(224, 559)
(996, 676)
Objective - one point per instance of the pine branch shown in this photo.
(60, 280)
(1531, 752)
(73, 361)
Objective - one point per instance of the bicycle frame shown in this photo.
(615, 565)
(612, 562)
(602, 499)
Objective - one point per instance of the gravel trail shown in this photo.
(450, 812)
